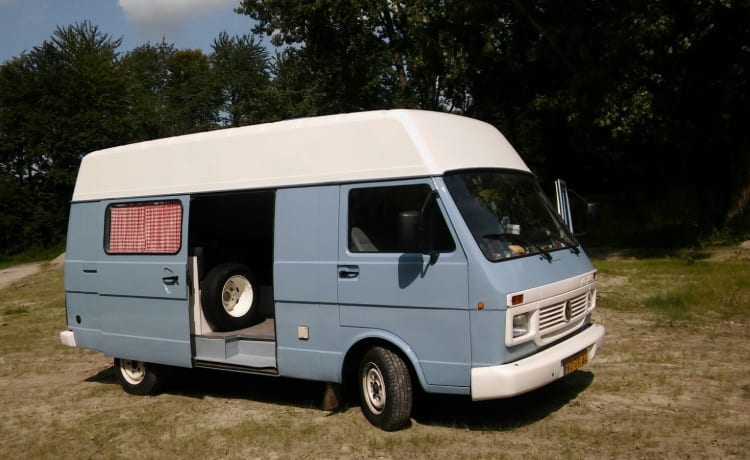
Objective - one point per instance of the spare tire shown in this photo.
(229, 297)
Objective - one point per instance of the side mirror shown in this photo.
(410, 231)
(415, 233)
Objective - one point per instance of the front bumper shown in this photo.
(537, 370)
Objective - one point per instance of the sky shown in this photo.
(192, 24)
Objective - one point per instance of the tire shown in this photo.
(139, 378)
(385, 389)
(229, 297)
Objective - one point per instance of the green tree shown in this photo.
(58, 102)
(192, 95)
(295, 90)
(170, 91)
(648, 97)
(345, 60)
(241, 67)
(147, 71)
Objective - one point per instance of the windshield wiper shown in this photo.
(544, 253)
(503, 237)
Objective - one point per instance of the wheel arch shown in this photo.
(364, 342)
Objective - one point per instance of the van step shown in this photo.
(236, 351)
(265, 330)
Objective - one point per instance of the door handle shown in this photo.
(171, 280)
(347, 272)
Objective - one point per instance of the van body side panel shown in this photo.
(132, 306)
(149, 330)
(304, 273)
(419, 300)
(439, 339)
(81, 273)
(319, 356)
(84, 249)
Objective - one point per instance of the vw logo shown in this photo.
(568, 310)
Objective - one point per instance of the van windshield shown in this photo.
(508, 214)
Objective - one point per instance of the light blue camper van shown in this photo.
(383, 249)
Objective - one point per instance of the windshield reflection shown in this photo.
(508, 214)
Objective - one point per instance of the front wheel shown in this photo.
(139, 378)
(385, 389)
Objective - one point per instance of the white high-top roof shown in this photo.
(361, 146)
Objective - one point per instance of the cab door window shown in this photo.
(380, 220)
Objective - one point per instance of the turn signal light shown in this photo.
(516, 300)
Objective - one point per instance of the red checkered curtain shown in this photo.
(126, 230)
(163, 224)
(153, 228)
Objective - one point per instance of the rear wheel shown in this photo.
(385, 389)
(139, 378)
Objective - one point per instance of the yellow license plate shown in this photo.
(576, 361)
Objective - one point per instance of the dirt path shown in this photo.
(10, 275)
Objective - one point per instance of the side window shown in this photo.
(377, 216)
(143, 228)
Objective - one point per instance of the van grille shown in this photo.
(553, 318)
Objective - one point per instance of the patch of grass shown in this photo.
(679, 288)
(15, 311)
(675, 305)
(34, 308)
(381, 442)
(426, 441)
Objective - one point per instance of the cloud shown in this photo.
(158, 18)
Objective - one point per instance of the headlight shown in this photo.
(521, 324)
